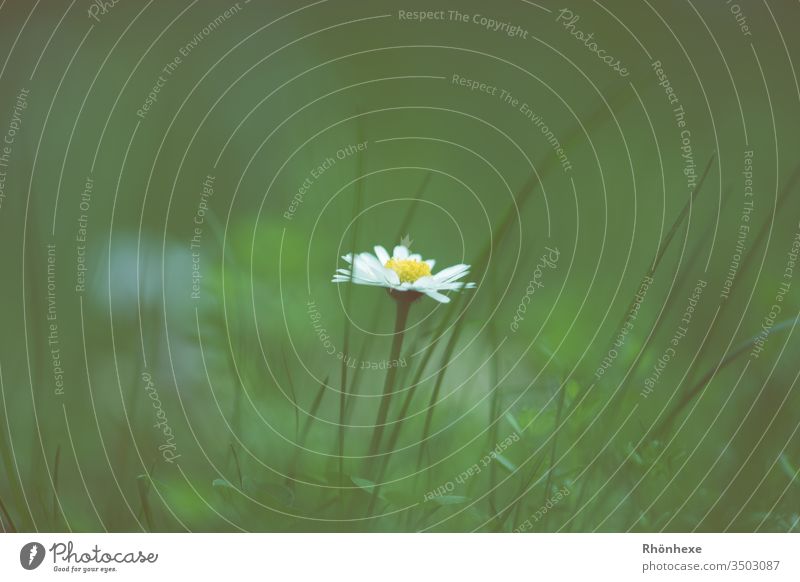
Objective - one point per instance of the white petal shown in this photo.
(380, 273)
(344, 276)
(415, 257)
(372, 262)
(382, 255)
(358, 281)
(431, 263)
(369, 260)
(438, 296)
(446, 286)
(400, 252)
(452, 273)
(391, 277)
(424, 283)
(366, 267)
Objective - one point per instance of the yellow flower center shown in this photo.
(409, 270)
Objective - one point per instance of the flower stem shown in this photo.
(403, 306)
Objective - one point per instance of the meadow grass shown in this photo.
(325, 475)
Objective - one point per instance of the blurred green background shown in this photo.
(186, 383)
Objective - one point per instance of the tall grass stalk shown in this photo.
(553, 448)
(14, 485)
(651, 271)
(480, 264)
(407, 400)
(301, 441)
(434, 399)
(615, 406)
(698, 387)
(56, 472)
(494, 403)
(293, 396)
(765, 229)
(5, 519)
(143, 485)
(401, 231)
(515, 507)
(676, 291)
(348, 300)
(498, 236)
(403, 301)
(237, 466)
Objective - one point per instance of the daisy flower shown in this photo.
(403, 272)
